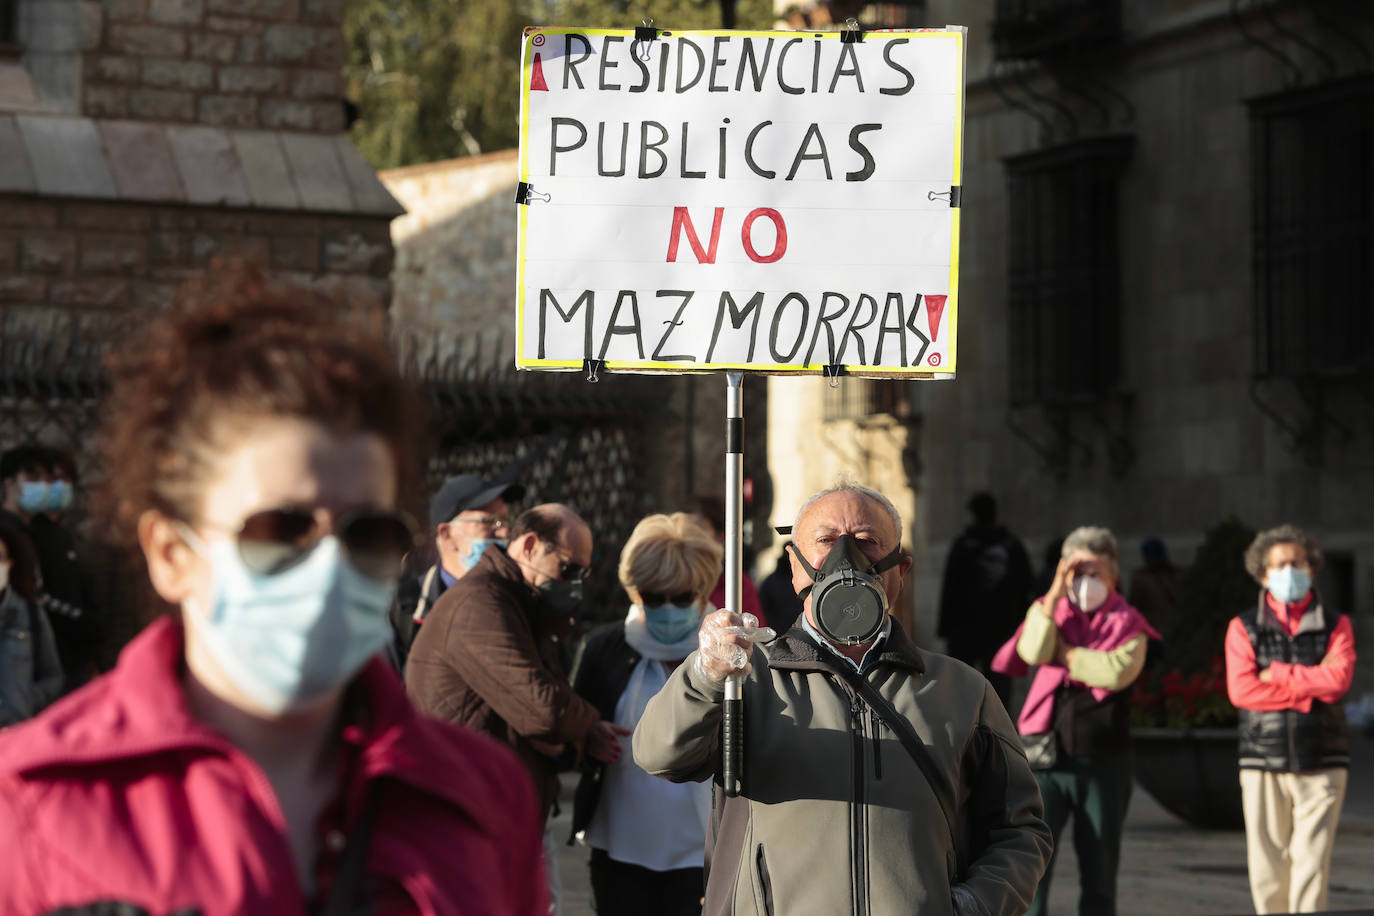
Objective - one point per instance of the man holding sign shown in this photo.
(878, 777)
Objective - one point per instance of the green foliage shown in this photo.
(434, 79)
(1188, 687)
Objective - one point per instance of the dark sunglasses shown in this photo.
(657, 599)
(376, 541)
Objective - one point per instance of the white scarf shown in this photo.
(638, 636)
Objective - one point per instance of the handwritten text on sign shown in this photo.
(777, 202)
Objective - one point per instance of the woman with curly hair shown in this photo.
(1289, 662)
(250, 752)
(647, 835)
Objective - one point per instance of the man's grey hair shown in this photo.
(847, 487)
(1097, 541)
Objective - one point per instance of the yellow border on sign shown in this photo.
(958, 33)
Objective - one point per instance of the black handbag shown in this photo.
(1042, 751)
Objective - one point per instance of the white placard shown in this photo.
(766, 201)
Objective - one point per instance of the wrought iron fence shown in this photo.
(566, 441)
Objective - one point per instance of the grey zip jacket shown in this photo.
(836, 816)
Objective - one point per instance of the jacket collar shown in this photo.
(1313, 619)
(139, 710)
(796, 650)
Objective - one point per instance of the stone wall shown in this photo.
(80, 264)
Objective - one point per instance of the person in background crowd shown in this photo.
(24, 475)
(646, 835)
(1090, 645)
(1289, 663)
(878, 777)
(710, 512)
(67, 595)
(467, 515)
(487, 656)
(781, 605)
(986, 586)
(250, 753)
(1155, 587)
(30, 670)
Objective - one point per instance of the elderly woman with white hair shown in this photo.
(1090, 647)
(647, 835)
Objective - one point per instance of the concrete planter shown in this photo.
(1192, 773)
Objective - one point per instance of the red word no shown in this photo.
(682, 223)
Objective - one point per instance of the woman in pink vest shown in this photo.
(251, 753)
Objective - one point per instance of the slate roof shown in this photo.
(151, 162)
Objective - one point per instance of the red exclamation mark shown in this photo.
(935, 308)
(537, 75)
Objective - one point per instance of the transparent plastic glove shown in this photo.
(725, 643)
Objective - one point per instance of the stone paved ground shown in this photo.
(1168, 868)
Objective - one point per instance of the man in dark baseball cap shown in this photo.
(468, 515)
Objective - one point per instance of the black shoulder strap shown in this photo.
(352, 868)
(906, 733)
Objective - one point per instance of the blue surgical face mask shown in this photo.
(286, 640)
(479, 546)
(59, 496)
(33, 496)
(670, 624)
(1288, 584)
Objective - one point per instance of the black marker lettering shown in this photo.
(777, 322)
(683, 159)
(823, 321)
(816, 68)
(855, 327)
(614, 329)
(782, 60)
(608, 64)
(887, 56)
(717, 61)
(659, 355)
(546, 296)
(701, 64)
(847, 51)
(737, 317)
(645, 147)
(601, 149)
(720, 164)
(570, 64)
(756, 68)
(885, 329)
(555, 149)
(749, 153)
(911, 326)
(802, 155)
(857, 144)
(643, 73)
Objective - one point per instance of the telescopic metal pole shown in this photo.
(732, 726)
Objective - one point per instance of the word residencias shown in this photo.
(735, 65)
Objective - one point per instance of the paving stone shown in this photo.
(178, 74)
(265, 169)
(177, 12)
(141, 160)
(15, 173)
(227, 110)
(146, 40)
(319, 175)
(67, 156)
(162, 104)
(208, 166)
(255, 80)
(286, 114)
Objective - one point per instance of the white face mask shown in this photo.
(1089, 592)
(285, 640)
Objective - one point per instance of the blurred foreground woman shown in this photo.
(250, 753)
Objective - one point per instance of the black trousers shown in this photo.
(621, 889)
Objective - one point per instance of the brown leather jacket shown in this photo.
(483, 659)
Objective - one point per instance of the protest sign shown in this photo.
(771, 202)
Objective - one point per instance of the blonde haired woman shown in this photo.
(646, 834)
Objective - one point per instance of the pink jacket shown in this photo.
(117, 794)
(1109, 627)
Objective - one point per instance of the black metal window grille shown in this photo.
(1063, 271)
(1312, 171)
(1028, 29)
(861, 398)
(9, 22)
(906, 15)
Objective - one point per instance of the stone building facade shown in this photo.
(1192, 338)
(140, 139)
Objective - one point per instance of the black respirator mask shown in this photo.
(848, 601)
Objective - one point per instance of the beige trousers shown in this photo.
(1290, 829)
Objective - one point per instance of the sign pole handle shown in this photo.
(732, 725)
